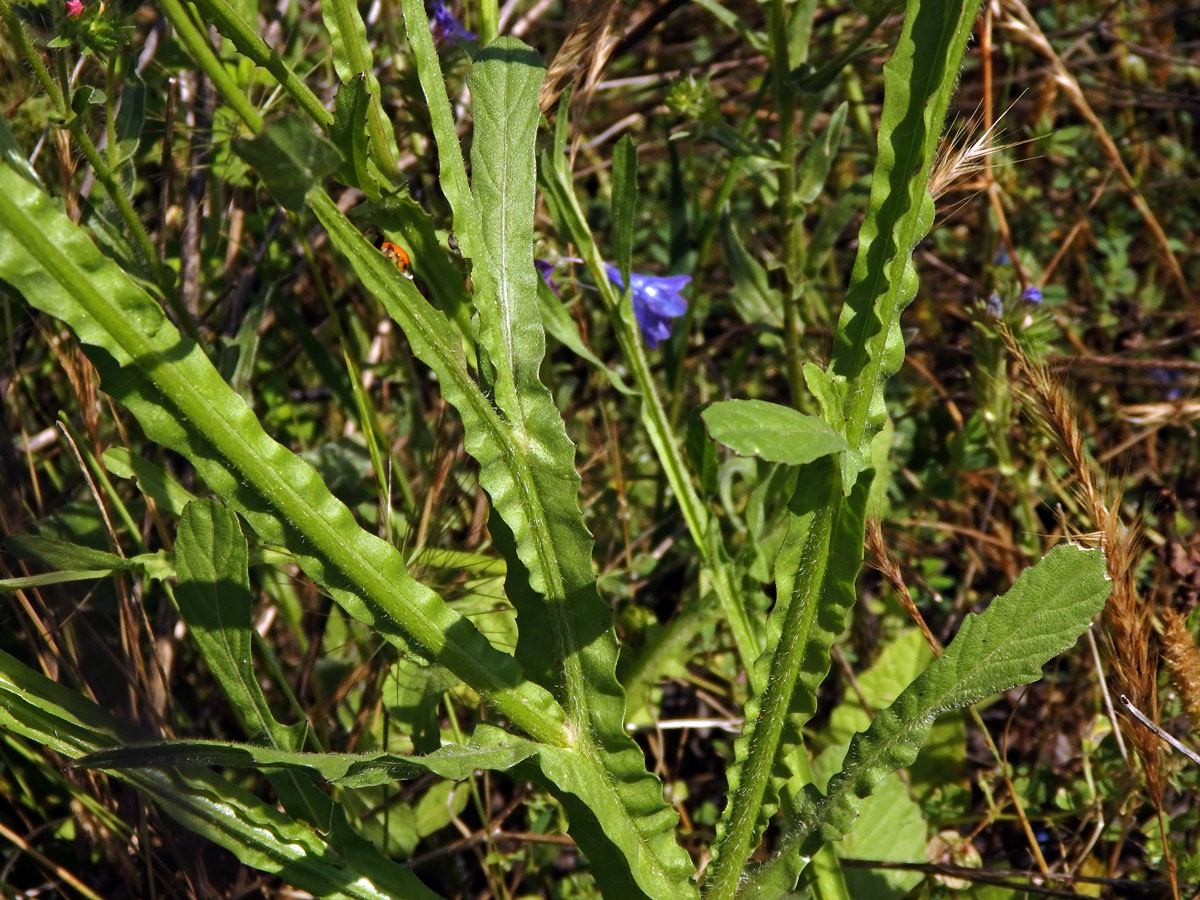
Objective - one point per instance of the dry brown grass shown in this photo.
(1128, 618)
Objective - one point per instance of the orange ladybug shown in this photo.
(397, 255)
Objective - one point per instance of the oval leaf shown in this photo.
(772, 432)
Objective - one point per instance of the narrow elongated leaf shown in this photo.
(452, 169)
(182, 402)
(537, 496)
(562, 328)
(131, 117)
(1044, 613)
(814, 168)
(919, 79)
(772, 432)
(624, 202)
(349, 133)
(752, 295)
(490, 748)
(258, 834)
(74, 561)
(65, 555)
(352, 58)
(152, 480)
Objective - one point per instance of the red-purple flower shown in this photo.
(444, 25)
(74, 8)
(656, 301)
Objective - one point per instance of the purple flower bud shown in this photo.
(656, 300)
(1032, 294)
(1002, 258)
(444, 25)
(545, 268)
(995, 306)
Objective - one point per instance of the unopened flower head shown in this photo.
(74, 8)
(656, 301)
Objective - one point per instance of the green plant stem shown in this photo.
(695, 514)
(201, 51)
(785, 109)
(230, 24)
(489, 21)
(560, 189)
(735, 847)
(110, 119)
(33, 58)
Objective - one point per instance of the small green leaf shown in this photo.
(152, 480)
(559, 325)
(752, 295)
(701, 453)
(291, 158)
(349, 134)
(212, 558)
(771, 432)
(132, 116)
(814, 168)
(352, 58)
(624, 202)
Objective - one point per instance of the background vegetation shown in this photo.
(1048, 391)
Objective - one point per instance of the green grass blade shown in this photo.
(1050, 605)
(182, 402)
(490, 748)
(624, 203)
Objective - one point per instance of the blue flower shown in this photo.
(1032, 294)
(444, 25)
(995, 306)
(656, 301)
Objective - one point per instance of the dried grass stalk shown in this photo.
(583, 55)
(1183, 662)
(1127, 618)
